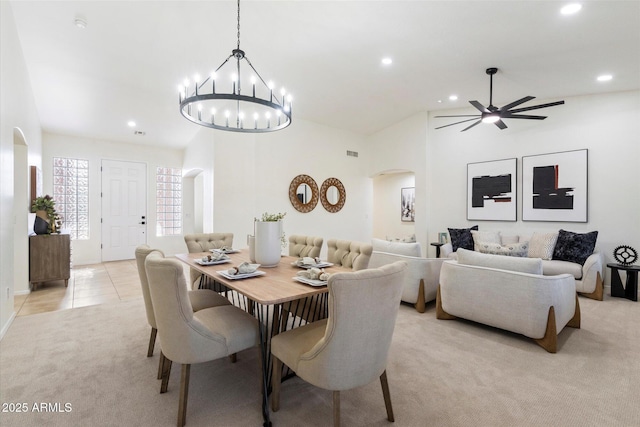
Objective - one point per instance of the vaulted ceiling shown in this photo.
(125, 65)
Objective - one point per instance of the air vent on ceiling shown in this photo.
(139, 132)
(352, 153)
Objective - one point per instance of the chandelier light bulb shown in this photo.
(267, 115)
(227, 114)
(270, 85)
(213, 75)
(234, 77)
(196, 78)
(213, 111)
(186, 83)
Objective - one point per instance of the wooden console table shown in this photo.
(49, 258)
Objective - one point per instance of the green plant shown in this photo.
(272, 217)
(47, 204)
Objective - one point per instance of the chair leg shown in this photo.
(276, 379)
(152, 341)
(161, 365)
(421, 303)
(233, 357)
(166, 371)
(336, 408)
(550, 340)
(387, 396)
(184, 395)
(575, 320)
(440, 313)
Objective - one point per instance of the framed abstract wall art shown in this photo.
(407, 204)
(554, 187)
(491, 190)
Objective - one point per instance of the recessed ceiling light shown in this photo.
(453, 98)
(387, 61)
(605, 78)
(131, 124)
(571, 8)
(80, 22)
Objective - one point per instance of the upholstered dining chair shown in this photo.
(188, 337)
(349, 349)
(354, 255)
(202, 242)
(301, 246)
(199, 299)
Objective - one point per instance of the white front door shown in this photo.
(124, 208)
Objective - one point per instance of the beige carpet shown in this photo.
(441, 373)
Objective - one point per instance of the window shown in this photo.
(168, 201)
(71, 194)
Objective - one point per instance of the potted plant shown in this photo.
(268, 239)
(44, 208)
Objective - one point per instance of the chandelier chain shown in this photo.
(238, 24)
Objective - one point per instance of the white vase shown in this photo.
(267, 242)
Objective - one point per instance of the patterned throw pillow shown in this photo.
(485, 237)
(462, 238)
(541, 245)
(513, 249)
(575, 247)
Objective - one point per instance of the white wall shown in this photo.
(88, 251)
(17, 110)
(251, 174)
(386, 206)
(607, 125)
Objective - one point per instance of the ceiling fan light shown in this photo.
(491, 118)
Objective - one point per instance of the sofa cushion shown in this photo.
(409, 249)
(522, 265)
(555, 267)
(462, 238)
(574, 247)
(513, 249)
(541, 245)
(486, 236)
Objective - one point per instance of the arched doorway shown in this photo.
(21, 209)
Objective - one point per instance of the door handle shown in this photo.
(142, 222)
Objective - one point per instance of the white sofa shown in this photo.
(422, 274)
(509, 294)
(588, 277)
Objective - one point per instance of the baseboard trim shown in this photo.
(24, 292)
(6, 327)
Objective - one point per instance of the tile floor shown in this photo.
(88, 285)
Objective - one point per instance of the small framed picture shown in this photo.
(407, 204)
(442, 238)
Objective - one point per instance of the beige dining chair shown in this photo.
(349, 349)
(199, 299)
(354, 255)
(301, 246)
(203, 242)
(190, 337)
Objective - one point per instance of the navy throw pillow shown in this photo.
(462, 238)
(574, 247)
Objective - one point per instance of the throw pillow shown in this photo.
(485, 236)
(541, 245)
(461, 238)
(513, 249)
(506, 239)
(575, 247)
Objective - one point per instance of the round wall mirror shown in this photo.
(303, 193)
(332, 195)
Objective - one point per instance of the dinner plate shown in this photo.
(319, 265)
(212, 262)
(312, 282)
(226, 251)
(226, 275)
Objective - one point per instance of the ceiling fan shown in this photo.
(493, 114)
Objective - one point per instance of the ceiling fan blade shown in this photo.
(456, 123)
(535, 107)
(469, 127)
(518, 102)
(524, 116)
(462, 115)
(479, 106)
(501, 124)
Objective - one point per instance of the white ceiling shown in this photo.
(127, 63)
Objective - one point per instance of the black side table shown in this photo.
(630, 290)
(437, 245)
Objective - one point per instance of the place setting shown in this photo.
(309, 262)
(244, 270)
(214, 259)
(225, 250)
(313, 276)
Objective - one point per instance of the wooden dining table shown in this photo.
(269, 297)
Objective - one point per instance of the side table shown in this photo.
(630, 290)
(437, 245)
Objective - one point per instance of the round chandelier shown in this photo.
(219, 102)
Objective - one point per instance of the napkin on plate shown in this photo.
(215, 256)
(243, 268)
(314, 274)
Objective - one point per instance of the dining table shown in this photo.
(273, 295)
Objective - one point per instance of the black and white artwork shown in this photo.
(407, 204)
(554, 187)
(491, 190)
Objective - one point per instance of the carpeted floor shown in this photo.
(88, 367)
